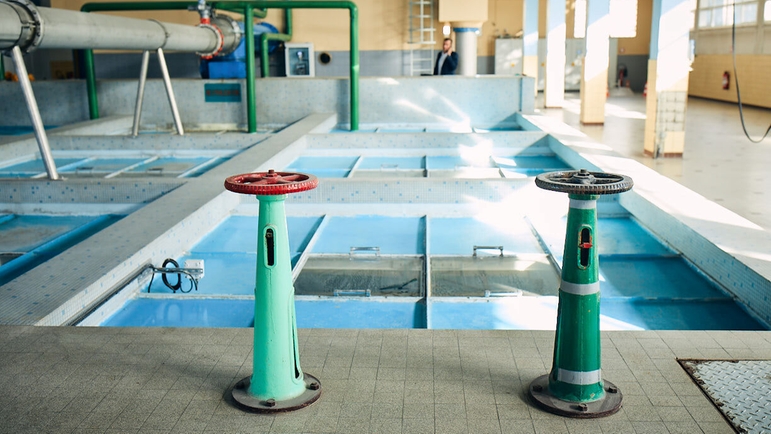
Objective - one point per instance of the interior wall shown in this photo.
(706, 78)
(713, 49)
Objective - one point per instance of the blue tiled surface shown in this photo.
(393, 235)
(392, 163)
(181, 312)
(651, 277)
(458, 236)
(313, 163)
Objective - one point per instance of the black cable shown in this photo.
(736, 79)
(177, 285)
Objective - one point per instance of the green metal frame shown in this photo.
(250, 9)
(283, 37)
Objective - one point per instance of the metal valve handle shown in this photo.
(270, 183)
(584, 182)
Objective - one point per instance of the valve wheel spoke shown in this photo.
(271, 183)
(584, 182)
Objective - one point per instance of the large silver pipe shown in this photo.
(30, 27)
(10, 25)
(78, 30)
(34, 113)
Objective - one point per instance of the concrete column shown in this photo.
(594, 71)
(667, 79)
(530, 35)
(554, 87)
(466, 46)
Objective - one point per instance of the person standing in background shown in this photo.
(447, 60)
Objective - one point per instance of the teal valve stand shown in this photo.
(277, 383)
(575, 387)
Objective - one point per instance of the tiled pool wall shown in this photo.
(487, 100)
(726, 247)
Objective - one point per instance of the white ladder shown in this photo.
(421, 36)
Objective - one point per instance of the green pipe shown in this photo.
(93, 99)
(2, 68)
(354, 68)
(251, 104)
(239, 6)
(354, 37)
(265, 37)
(88, 55)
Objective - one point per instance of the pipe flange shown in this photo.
(31, 24)
(220, 41)
(228, 25)
(166, 33)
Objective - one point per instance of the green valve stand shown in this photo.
(574, 387)
(277, 383)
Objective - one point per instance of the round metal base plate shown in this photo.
(609, 404)
(244, 401)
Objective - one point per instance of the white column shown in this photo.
(530, 35)
(554, 87)
(667, 79)
(594, 71)
(466, 46)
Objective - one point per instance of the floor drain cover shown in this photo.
(741, 390)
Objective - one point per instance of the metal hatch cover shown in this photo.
(740, 389)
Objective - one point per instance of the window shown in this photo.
(623, 19)
(719, 13)
(767, 11)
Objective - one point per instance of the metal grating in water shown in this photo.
(741, 390)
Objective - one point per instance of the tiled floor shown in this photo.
(719, 162)
(131, 380)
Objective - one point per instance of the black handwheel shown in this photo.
(584, 182)
(177, 285)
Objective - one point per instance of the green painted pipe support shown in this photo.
(241, 7)
(93, 99)
(88, 55)
(313, 4)
(265, 37)
(251, 98)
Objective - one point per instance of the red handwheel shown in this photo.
(271, 183)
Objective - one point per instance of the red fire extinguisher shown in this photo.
(726, 79)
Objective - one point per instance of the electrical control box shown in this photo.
(299, 59)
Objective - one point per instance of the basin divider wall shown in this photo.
(309, 248)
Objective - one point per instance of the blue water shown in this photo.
(240, 313)
(34, 167)
(393, 163)
(644, 285)
(19, 130)
(103, 165)
(230, 255)
(393, 235)
(40, 238)
(458, 236)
